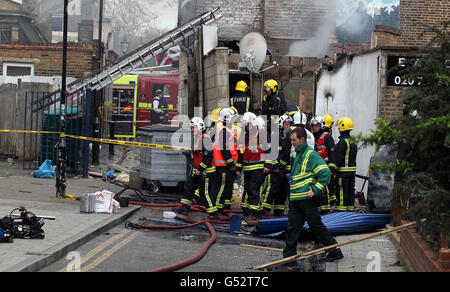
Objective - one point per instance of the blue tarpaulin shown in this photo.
(340, 223)
(46, 170)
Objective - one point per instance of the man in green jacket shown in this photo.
(309, 177)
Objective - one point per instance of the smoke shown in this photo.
(319, 44)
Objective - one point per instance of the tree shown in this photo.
(422, 137)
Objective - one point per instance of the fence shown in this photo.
(41, 113)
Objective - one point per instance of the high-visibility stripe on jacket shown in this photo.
(346, 155)
(231, 145)
(308, 171)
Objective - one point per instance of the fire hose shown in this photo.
(203, 250)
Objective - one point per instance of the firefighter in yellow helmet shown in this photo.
(273, 105)
(274, 102)
(241, 101)
(345, 157)
(328, 123)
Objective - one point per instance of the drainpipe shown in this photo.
(301, 98)
(202, 67)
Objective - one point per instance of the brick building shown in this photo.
(16, 25)
(281, 22)
(284, 24)
(45, 59)
(416, 14)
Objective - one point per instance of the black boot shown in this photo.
(334, 255)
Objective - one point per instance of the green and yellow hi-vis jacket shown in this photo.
(308, 170)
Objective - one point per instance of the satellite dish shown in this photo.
(253, 49)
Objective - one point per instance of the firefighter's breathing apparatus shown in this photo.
(27, 226)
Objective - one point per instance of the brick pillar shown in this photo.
(385, 36)
(222, 77)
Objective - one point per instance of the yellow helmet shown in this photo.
(215, 115)
(345, 124)
(328, 121)
(271, 84)
(241, 86)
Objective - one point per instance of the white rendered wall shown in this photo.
(353, 92)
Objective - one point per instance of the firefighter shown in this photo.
(202, 177)
(325, 147)
(346, 167)
(300, 120)
(328, 121)
(253, 167)
(227, 158)
(159, 113)
(240, 100)
(292, 110)
(278, 188)
(214, 118)
(309, 176)
(274, 104)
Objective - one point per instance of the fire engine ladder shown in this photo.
(133, 60)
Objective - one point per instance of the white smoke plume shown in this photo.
(319, 44)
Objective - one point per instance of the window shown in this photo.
(18, 69)
(5, 33)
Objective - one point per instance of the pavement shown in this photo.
(70, 230)
(378, 254)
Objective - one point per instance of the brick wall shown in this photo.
(385, 36)
(8, 5)
(47, 58)
(414, 14)
(299, 19)
(391, 97)
(237, 20)
(391, 103)
(419, 256)
(216, 79)
(280, 21)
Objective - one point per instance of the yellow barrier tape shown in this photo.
(27, 132)
(105, 141)
(127, 143)
(139, 108)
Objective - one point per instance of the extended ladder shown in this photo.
(109, 73)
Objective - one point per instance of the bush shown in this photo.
(422, 138)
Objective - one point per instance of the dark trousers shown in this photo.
(345, 192)
(277, 191)
(299, 212)
(207, 191)
(324, 201)
(253, 181)
(225, 180)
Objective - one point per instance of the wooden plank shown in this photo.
(119, 168)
